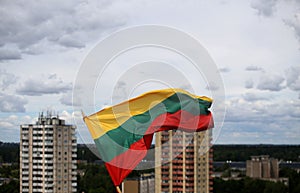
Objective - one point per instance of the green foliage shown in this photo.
(95, 179)
(11, 187)
(9, 171)
(294, 179)
(9, 152)
(248, 185)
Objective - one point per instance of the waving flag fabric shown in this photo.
(123, 133)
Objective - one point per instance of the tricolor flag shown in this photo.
(123, 133)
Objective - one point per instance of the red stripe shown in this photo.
(123, 164)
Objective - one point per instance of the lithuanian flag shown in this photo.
(123, 133)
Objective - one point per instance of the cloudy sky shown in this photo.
(254, 43)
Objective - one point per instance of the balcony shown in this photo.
(48, 185)
(49, 161)
(25, 178)
(165, 178)
(37, 179)
(49, 149)
(49, 173)
(48, 155)
(189, 161)
(37, 190)
(25, 149)
(178, 189)
(25, 161)
(48, 131)
(25, 166)
(178, 172)
(24, 154)
(37, 173)
(25, 143)
(189, 184)
(25, 173)
(37, 149)
(25, 184)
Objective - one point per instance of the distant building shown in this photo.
(144, 184)
(48, 153)
(262, 167)
(184, 162)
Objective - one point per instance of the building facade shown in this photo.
(262, 167)
(143, 184)
(184, 162)
(48, 155)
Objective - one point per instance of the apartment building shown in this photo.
(184, 162)
(48, 155)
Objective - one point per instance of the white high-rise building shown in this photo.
(48, 156)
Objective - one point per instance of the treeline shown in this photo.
(250, 185)
(244, 152)
(9, 152)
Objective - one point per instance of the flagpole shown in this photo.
(83, 115)
(118, 189)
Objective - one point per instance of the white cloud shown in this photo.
(6, 79)
(10, 126)
(12, 103)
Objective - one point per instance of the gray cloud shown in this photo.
(9, 54)
(271, 83)
(293, 78)
(49, 85)
(12, 103)
(264, 7)
(249, 83)
(253, 97)
(72, 23)
(69, 41)
(6, 79)
(224, 69)
(212, 86)
(254, 68)
(294, 24)
(68, 100)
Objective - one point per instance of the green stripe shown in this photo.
(118, 140)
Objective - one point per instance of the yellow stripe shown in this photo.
(112, 117)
